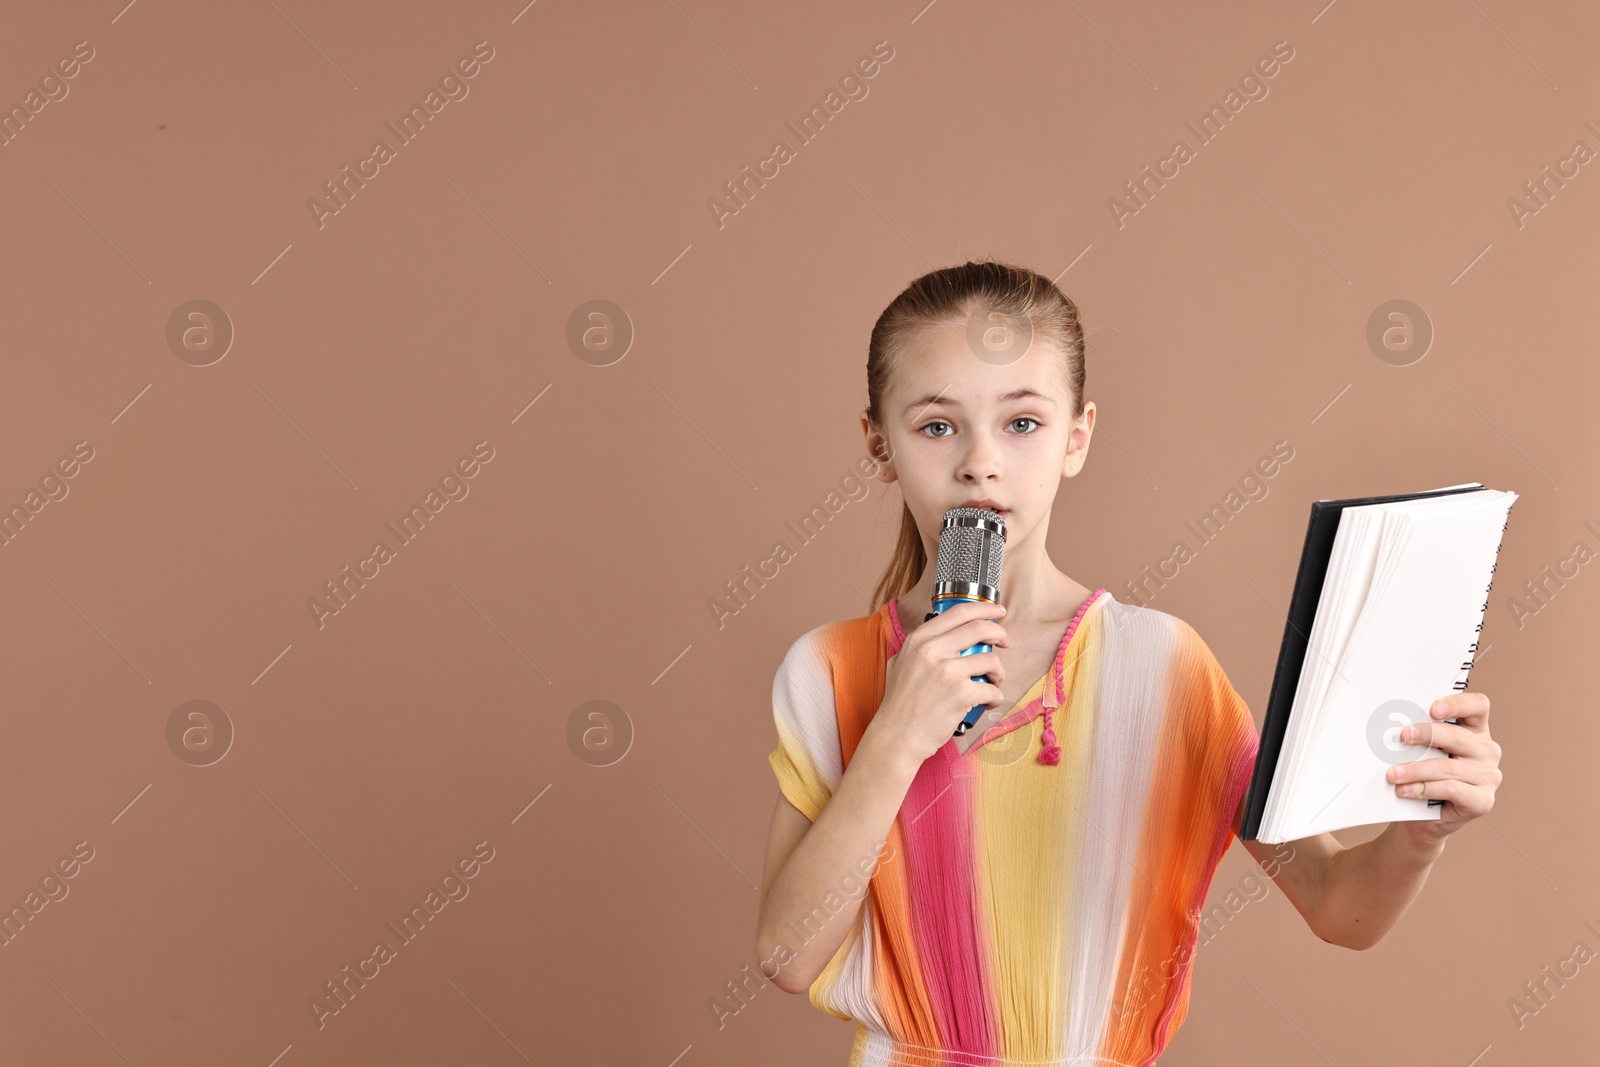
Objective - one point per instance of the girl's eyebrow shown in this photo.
(931, 399)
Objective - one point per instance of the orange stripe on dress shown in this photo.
(1187, 827)
(857, 650)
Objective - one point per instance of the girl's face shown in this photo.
(966, 432)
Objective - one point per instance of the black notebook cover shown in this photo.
(1314, 558)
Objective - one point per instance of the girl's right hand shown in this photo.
(929, 689)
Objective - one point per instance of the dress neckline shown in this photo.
(1031, 703)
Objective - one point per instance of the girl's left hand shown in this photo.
(1466, 783)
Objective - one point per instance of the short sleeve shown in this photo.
(808, 761)
(1229, 740)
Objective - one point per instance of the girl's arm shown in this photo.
(1354, 896)
(830, 860)
(928, 688)
(1349, 897)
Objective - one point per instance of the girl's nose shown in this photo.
(981, 460)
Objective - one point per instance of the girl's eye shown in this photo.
(1023, 424)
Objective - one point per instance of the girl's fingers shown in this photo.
(960, 627)
(946, 621)
(1467, 782)
(1470, 709)
(982, 663)
(1434, 772)
(1471, 799)
(1463, 741)
(976, 632)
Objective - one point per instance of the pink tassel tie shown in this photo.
(1049, 751)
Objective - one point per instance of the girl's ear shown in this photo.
(1078, 449)
(878, 448)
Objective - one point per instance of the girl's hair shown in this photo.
(966, 294)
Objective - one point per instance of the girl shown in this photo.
(1030, 892)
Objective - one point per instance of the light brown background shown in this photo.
(433, 710)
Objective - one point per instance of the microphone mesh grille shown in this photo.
(961, 550)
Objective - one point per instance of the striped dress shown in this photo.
(1024, 911)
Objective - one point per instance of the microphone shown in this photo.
(972, 542)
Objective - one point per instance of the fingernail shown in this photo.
(1407, 733)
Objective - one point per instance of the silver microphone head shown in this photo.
(972, 542)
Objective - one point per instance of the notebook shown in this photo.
(1385, 617)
